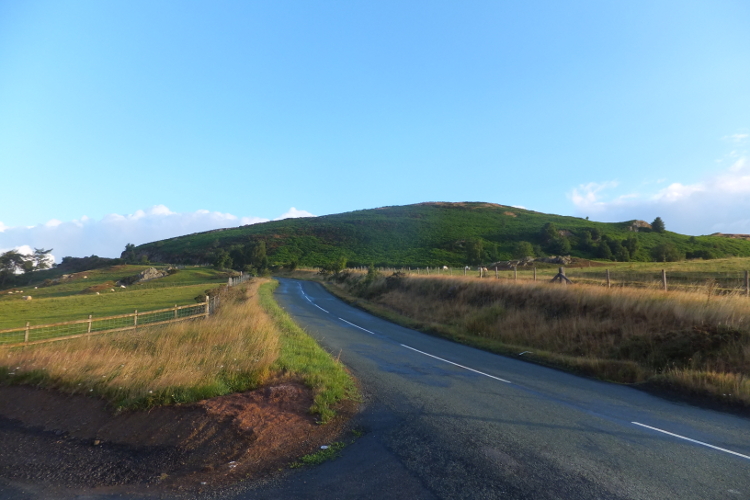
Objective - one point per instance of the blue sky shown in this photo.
(133, 121)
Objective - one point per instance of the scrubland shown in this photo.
(691, 343)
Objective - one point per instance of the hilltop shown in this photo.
(433, 234)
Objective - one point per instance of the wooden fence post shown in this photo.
(464, 270)
(747, 284)
(175, 311)
(608, 283)
(496, 277)
(664, 279)
(89, 328)
(135, 319)
(534, 273)
(515, 273)
(207, 312)
(26, 333)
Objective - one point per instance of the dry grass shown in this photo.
(233, 350)
(694, 342)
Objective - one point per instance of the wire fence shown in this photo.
(725, 282)
(33, 334)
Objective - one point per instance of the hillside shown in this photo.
(433, 234)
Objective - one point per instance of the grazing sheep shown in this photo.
(97, 293)
(26, 297)
(112, 290)
(445, 268)
(122, 286)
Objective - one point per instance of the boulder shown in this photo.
(637, 224)
(150, 274)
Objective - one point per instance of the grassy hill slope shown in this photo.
(428, 234)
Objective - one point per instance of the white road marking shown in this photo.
(691, 440)
(460, 366)
(310, 301)
(357, 326)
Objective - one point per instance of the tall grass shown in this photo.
(179, 363)
(692, 342)
(249, 341)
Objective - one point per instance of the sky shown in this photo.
(129, 122)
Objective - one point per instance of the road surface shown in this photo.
(444, 420)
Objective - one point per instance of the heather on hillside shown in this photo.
(433, 234)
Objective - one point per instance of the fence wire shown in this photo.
(35, 333)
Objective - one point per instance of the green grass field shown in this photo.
(70, 301)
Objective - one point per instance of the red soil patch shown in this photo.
(76, 443)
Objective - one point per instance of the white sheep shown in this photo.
(111, 289)
(97, 293)
(26, 297)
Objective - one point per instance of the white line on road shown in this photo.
(357, 326)
(691, 440)
(310, 301)
(456, 364)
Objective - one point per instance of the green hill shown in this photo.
(432, 234)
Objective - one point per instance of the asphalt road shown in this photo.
(443, 420)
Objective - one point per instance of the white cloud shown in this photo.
(108, 236)
(718, 203)
(590, 194)
(736, 137)
(293, 213)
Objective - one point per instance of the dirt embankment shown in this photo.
(59, 445)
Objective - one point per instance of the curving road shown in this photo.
(443, 420)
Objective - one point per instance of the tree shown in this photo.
(222, 260)
(658, 225)
(129, 254)
(559, 246)
(523, 249)
(666, 252)
(474, 251)
(11, 263)
(41, 259)
(258, 257)
(549, 233)
(632, 244)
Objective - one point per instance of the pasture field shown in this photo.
(76, 299)
(246, 343)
